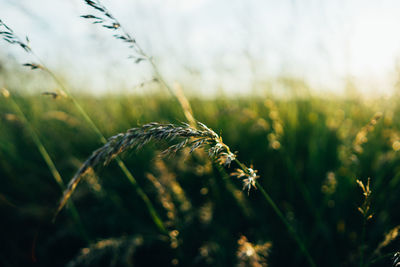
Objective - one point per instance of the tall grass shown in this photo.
(193, 184)
(313, 150)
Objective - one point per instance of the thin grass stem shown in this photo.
(128, 174)
(291, 230)
(362, 242)
(49, 162)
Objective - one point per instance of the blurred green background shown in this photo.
(306, 94)
(304, 149)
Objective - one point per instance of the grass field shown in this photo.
(295, 179)
(309, 152)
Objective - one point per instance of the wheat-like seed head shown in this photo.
(186, 136)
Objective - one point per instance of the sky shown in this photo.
(207, 45)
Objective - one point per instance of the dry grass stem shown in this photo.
(184, 102)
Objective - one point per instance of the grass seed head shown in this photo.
(9, 36)
(249, 176)
(108, 21)
(136, 138)
(366, 206)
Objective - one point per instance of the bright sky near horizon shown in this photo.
(208, 44)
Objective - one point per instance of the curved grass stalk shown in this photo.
(46, 157)
(107, 20)
(9, 36)
(185, 136)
